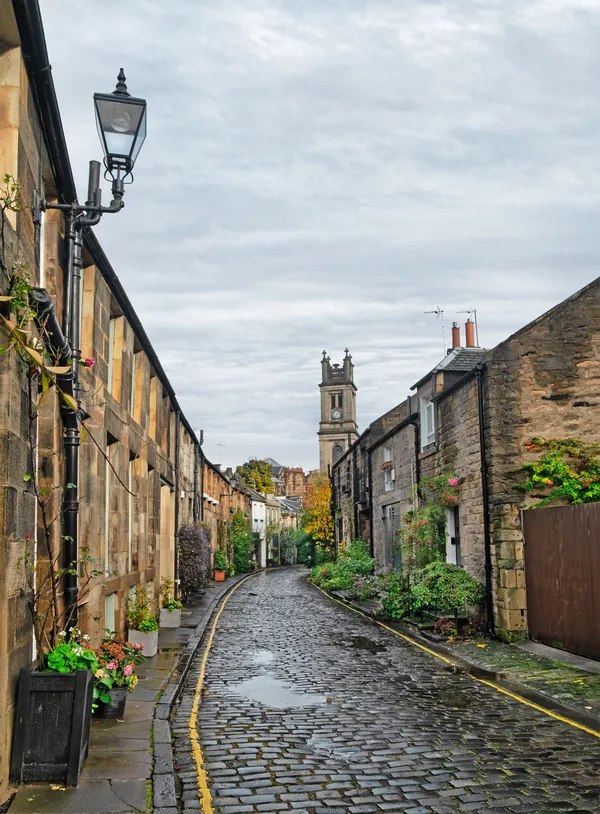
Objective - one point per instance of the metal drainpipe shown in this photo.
(201, 483)
(45, 318)
(196, 456)
(491, 624)
(177, 499)
(370, 471)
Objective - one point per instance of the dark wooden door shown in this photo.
(562, 573)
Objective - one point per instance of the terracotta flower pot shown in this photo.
(219, 575)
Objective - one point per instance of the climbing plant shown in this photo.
(422, 533)
(566, 471)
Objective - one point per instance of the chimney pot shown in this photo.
(470, 333)
(455, 336)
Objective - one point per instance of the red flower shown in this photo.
(28, 536)
(89, 362)
(587, 483)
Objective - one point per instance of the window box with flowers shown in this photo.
(115, 676)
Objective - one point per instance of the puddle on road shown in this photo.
(270, 691)
(362, 643)
(263, 657)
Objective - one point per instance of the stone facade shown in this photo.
(337, 428)
(142, 475)
(543, 381)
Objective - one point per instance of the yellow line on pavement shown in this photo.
(496, 687)
(203, 790)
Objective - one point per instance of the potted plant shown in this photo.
(141, 621)
(115, 676)
(53, 715)
(170, 611)
(220, 566)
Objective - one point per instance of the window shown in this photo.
(389, 473)
(337, 452)
(427, 418)
(111, 352)
(133, 371)
(109, 612)
(336, 400)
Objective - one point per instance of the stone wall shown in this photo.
(543, 381)
(390, 506)
(458, 453)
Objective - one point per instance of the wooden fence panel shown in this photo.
(562, 573)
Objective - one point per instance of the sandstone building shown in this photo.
(338, 428)
(142, 471)
(471, 416)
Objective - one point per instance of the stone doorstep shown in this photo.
(503, 679)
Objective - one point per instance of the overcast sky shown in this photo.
(319, 173)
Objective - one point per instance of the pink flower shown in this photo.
(453, 481)
(137, 646)
(428, 542)
(112, 665)
(100, 673)
(128, 669)
(426, 522)
(89, 362)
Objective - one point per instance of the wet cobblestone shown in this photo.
(386, 728)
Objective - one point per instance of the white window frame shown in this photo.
(427, 421)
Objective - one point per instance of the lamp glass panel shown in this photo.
(118, 121)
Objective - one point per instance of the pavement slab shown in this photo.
(344, 716)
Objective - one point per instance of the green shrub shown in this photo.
(242, 541)
(339, 576)
(220, 561)
(443, 586)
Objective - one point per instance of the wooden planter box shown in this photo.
(52, 727)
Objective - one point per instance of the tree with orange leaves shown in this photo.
(316, 518)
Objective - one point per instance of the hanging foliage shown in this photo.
(422, 534)
(567, 471)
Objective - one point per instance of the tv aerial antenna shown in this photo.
(439, 313)
(472, 312)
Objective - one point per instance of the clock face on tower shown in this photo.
(336, 415)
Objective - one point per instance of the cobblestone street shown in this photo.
(308, 707)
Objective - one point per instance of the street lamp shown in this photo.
(121, 121)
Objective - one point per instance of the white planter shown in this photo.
(149, 640)
(170, 618)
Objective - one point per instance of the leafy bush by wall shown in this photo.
(194, 559)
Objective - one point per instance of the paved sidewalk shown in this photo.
(117, 776)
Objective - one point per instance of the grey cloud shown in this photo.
(318, 175)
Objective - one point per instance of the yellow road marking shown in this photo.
(203, 790)
(496, 687)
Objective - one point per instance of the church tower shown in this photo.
(337, 429)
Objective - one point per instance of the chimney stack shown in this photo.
(470, 333)
(455, 336)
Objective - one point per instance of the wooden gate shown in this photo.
(562, 573)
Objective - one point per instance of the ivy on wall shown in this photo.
(567, 471)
